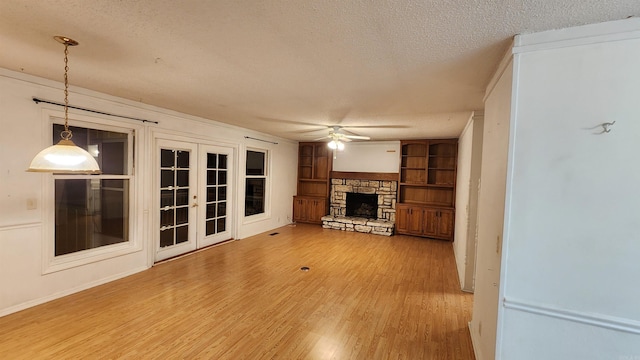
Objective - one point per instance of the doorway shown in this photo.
(194, 206)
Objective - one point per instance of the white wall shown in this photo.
(369, 156)
(495, 140)
(468, 178)
(570, 264)
(463, 180)
(22, 232)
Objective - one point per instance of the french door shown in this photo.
(194, 206)
(214, 193)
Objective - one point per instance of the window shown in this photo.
(92, 211)
(256, 181)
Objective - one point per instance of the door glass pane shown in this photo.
(166, 178)
(211, 177)
(211, 211)
(167, 158)
(182, 161)
(211, 161)
(211, 194)
(166, 237)
(222, 209)
(174, 201)
(182, 197)
(211, 227)
(182, 178)
(182, 234)
(182, 215)
(216, 193)
(166, 217)
(166, 198)
(222, 162)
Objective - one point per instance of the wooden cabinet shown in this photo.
(409, 219)
(426, 188)
(314, 167)
(438, 223)
(309, 209)
(424, 221)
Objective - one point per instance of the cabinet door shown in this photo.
(408, 219)
(431, 222)
(299, 209)
(317, 209)
(415, 220)
(402, 218)
(445, 224)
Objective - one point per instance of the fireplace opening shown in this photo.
(362, 205)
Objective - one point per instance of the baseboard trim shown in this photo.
(475, 342)
(598, 320)
(44, 299)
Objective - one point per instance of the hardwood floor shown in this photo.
(364, 297)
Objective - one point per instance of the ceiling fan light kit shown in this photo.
(338, 138)
(336, 145)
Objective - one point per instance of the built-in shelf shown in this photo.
(426, 188)
(314, 166)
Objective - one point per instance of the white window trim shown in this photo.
(52, 263)
(248, 219)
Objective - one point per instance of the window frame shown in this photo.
(267, 184)
(52, 263)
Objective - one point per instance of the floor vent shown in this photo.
(275, 233)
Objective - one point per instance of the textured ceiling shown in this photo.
(404, 69)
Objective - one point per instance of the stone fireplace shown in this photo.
(383, 192)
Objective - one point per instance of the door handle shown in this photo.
(195, 204)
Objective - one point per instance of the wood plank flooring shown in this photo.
(364, 297)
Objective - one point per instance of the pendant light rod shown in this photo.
(66, 134)
(38, 100)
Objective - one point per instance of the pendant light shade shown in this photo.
(65, 157)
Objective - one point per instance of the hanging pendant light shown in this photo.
(65, 156)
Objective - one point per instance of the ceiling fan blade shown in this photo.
(357, 137)
(306, 132)
(374, 126)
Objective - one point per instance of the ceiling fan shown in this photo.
(338, 137)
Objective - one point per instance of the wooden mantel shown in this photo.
(364, 176)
